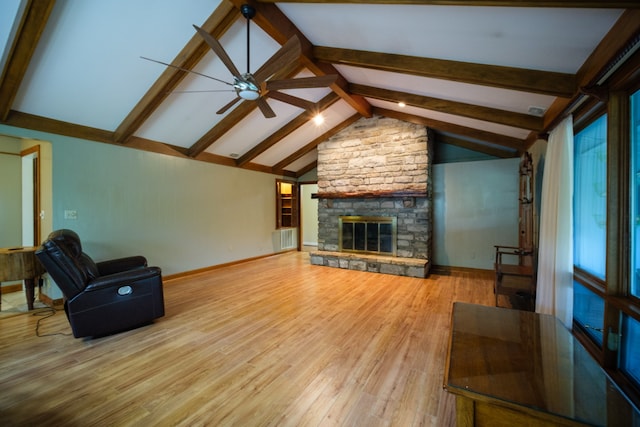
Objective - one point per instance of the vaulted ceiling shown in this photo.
(490, 76)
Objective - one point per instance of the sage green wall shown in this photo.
(10, 192)
(181, 214)
(475, 207)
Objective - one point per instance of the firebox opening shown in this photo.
(367, 234)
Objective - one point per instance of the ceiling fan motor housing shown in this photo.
(247, 88)
(248, 11)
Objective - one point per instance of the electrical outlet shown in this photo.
(70, 214)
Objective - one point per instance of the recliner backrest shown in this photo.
(62, 256)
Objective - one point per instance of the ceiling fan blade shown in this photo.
(229, 105)
(201, 91)
(219, 50)
(289, 52)
(187, 70)
(267, 112)
(293, 100)
(303, 82)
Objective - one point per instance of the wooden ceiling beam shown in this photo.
(32, 23)
(613, 4)
(535, 81)
(475, 146)
(508, 118)
(217, 24)
(57, 127)
(285, 130)
(223, 126)
(311, 166)
(280, 28)
(313, 144)
(44, 124)
(480, 135)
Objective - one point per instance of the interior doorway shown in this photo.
(31, 196)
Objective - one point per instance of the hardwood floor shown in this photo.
(271, 342)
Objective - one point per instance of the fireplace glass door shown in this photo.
(376, 235)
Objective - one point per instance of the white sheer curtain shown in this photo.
(555, 248)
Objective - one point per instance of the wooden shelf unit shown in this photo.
(286, 204)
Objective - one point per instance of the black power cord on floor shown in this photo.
(46, 313)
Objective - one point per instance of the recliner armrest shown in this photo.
(122, 278)
(118, 265)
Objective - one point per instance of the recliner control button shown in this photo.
(125, 290)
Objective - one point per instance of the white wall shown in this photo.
(309, 214)
(475, 208)
(181, 214)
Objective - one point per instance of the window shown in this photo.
(590, 228)
(588, 311)
(629, 339)
(607, 235)
(590, 198)
(635, 194)
(630, 348)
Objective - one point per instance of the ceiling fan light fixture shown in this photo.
(248, 94)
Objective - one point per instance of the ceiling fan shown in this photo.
(256, 86)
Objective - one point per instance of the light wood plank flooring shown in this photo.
(271, 342)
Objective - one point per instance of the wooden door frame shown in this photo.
(36, 191)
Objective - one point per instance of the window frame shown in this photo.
(615, 290)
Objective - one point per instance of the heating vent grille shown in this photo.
(287, 238)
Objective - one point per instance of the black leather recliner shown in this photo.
(105, 297)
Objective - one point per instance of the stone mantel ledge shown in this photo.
(370, 195)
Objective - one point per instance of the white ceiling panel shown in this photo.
(303, 161)
(296, 140)
(10, 11)
(241, 139)
(86, 68)
(536, 38)
(191, 105)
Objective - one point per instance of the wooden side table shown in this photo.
(21, 264)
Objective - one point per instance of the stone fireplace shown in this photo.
(376, 168)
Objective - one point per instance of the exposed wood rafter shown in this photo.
(470, 145)
(480, 135)
(507, 118)
(575, 93)
(219, 22)
(280, 28)
(615, 4)
(313, 144)
(290, 127)
(235, 116)
(535, 81)
(34, 20)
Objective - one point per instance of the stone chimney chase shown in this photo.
(377, 167)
